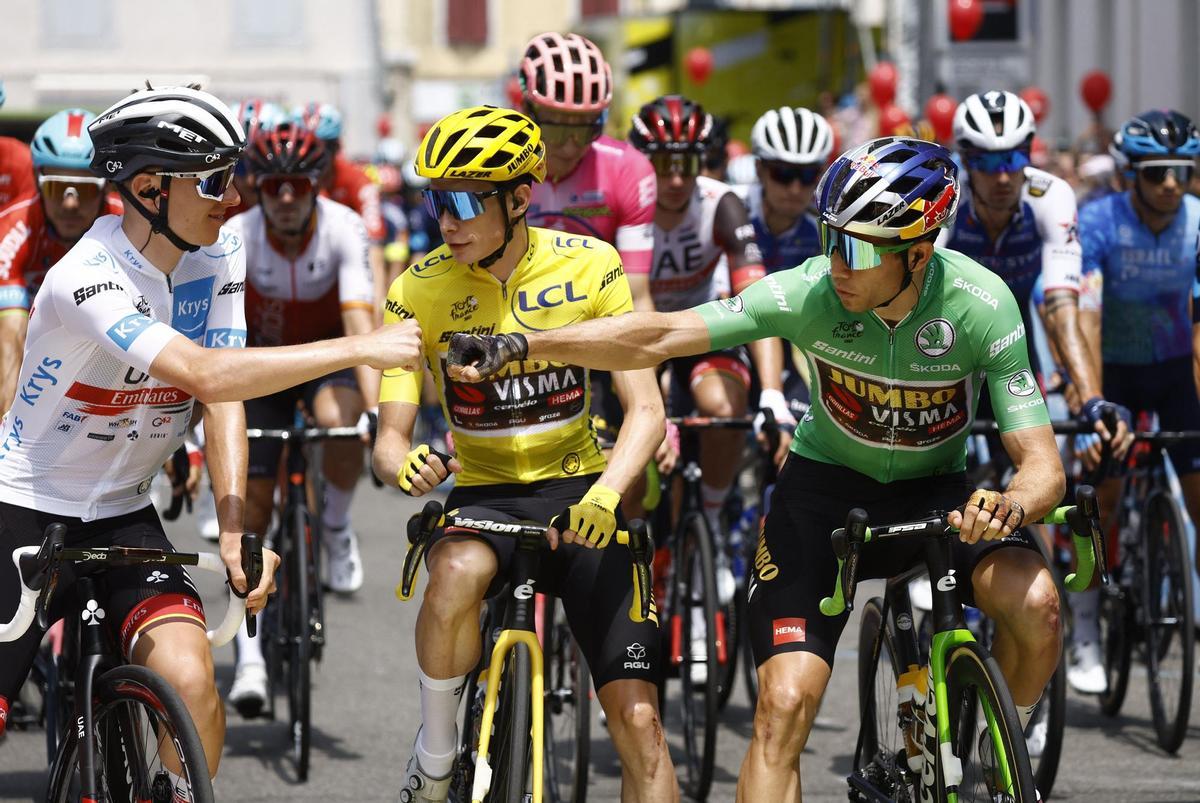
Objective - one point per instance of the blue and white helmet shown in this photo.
(322, 118)
(891, 189)
(63, 141)
(3, 94)
(1160, 134)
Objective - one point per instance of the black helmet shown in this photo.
(176, 129)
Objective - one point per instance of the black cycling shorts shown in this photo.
(1167, 389)
(686, 372)
(278, 411)
(595, 585)
(795, 565)
(134, 598)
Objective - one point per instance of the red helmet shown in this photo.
(671, 124)
(290, 149)
(567, 73)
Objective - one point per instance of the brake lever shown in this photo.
(47, 572)
(420, 530)
(846, 542)
(252, 568)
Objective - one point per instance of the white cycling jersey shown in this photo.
(90, 427)
(300, 300)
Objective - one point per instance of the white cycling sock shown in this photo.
(1086, 608)
(1025, 712)
(439, 727)
(714, 500)
(336, 515)
(249, 650)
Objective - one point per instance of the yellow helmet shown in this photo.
(485, 143)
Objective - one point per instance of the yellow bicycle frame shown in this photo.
(506, 641)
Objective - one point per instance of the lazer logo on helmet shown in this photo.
(890, 413)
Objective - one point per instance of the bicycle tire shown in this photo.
(735, 621)
(510, 758)
(749, 667)
(973, 679)
(119, 694)
(567, 711)
(1116, 638)
(1169, 619)
(698, 705)
(299, 647)
(878, 762)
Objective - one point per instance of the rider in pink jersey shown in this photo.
(596, 185)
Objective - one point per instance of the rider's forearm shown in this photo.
(623, 342)
(1062, 313)
(641, 431)
(12, 345)
(226, 452)
(217, 375)
(394, 440)
(768, 362)
(1039, 483)
(360, 322)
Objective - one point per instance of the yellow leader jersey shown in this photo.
(531, 421)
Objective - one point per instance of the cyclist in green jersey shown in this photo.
(899, 336)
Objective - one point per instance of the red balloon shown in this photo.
(1096, 89)
(882, 80)
(892, 119)
(699, 64)
(939, 110)
(966, 17)
(512, 88)
(383, 126)
(1039, 104)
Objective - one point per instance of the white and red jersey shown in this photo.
(687, 265)
(90, 426)
(301, 300)
(17, 180)
(610, 195)
(355, 189)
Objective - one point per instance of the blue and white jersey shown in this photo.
(1148, 279)
(787, 249)
(90, 427)
(1040, 241)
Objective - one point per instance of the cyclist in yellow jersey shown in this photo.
(525, 447)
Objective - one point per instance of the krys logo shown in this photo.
(191, 302)
(530, 306)
(893, 414)
(935, 338)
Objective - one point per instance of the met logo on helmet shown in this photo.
(181, 132)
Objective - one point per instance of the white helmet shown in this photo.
(741, 169)
(993, 121)
(798, 136)
(412, 179)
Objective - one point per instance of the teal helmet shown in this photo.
(63, 141)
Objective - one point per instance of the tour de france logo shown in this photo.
(935, 338)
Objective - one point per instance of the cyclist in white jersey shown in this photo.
(307, 279)
(123, 335)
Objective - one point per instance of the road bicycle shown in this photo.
(294, 621)
(131, 733)
(962, 756)
(1148, 611)
(502, 755)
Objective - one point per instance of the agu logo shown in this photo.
(789, 630)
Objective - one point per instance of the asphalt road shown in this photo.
(366, 712)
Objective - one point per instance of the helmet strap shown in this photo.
(158, 221)
(509, 225)
(904, 282)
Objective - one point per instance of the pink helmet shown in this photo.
(567, 73)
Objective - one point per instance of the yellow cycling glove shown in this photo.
(413, 461)
(594, 517)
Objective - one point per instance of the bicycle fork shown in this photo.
(519, 628)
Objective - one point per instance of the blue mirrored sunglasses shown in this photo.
(857, 254)
(460, 204)
(211, 184)
(998, 161)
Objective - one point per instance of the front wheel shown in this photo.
(1169, 625)
(984, 731)
(1047, 729)
(511, 744)
(299, 649)
(568, 711)
(1116, 640)
(141, 726)
(880, 761)
(695, 610)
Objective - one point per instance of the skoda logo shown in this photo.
(1021, 384)
(935, 338)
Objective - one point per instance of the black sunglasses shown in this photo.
(786, 174)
